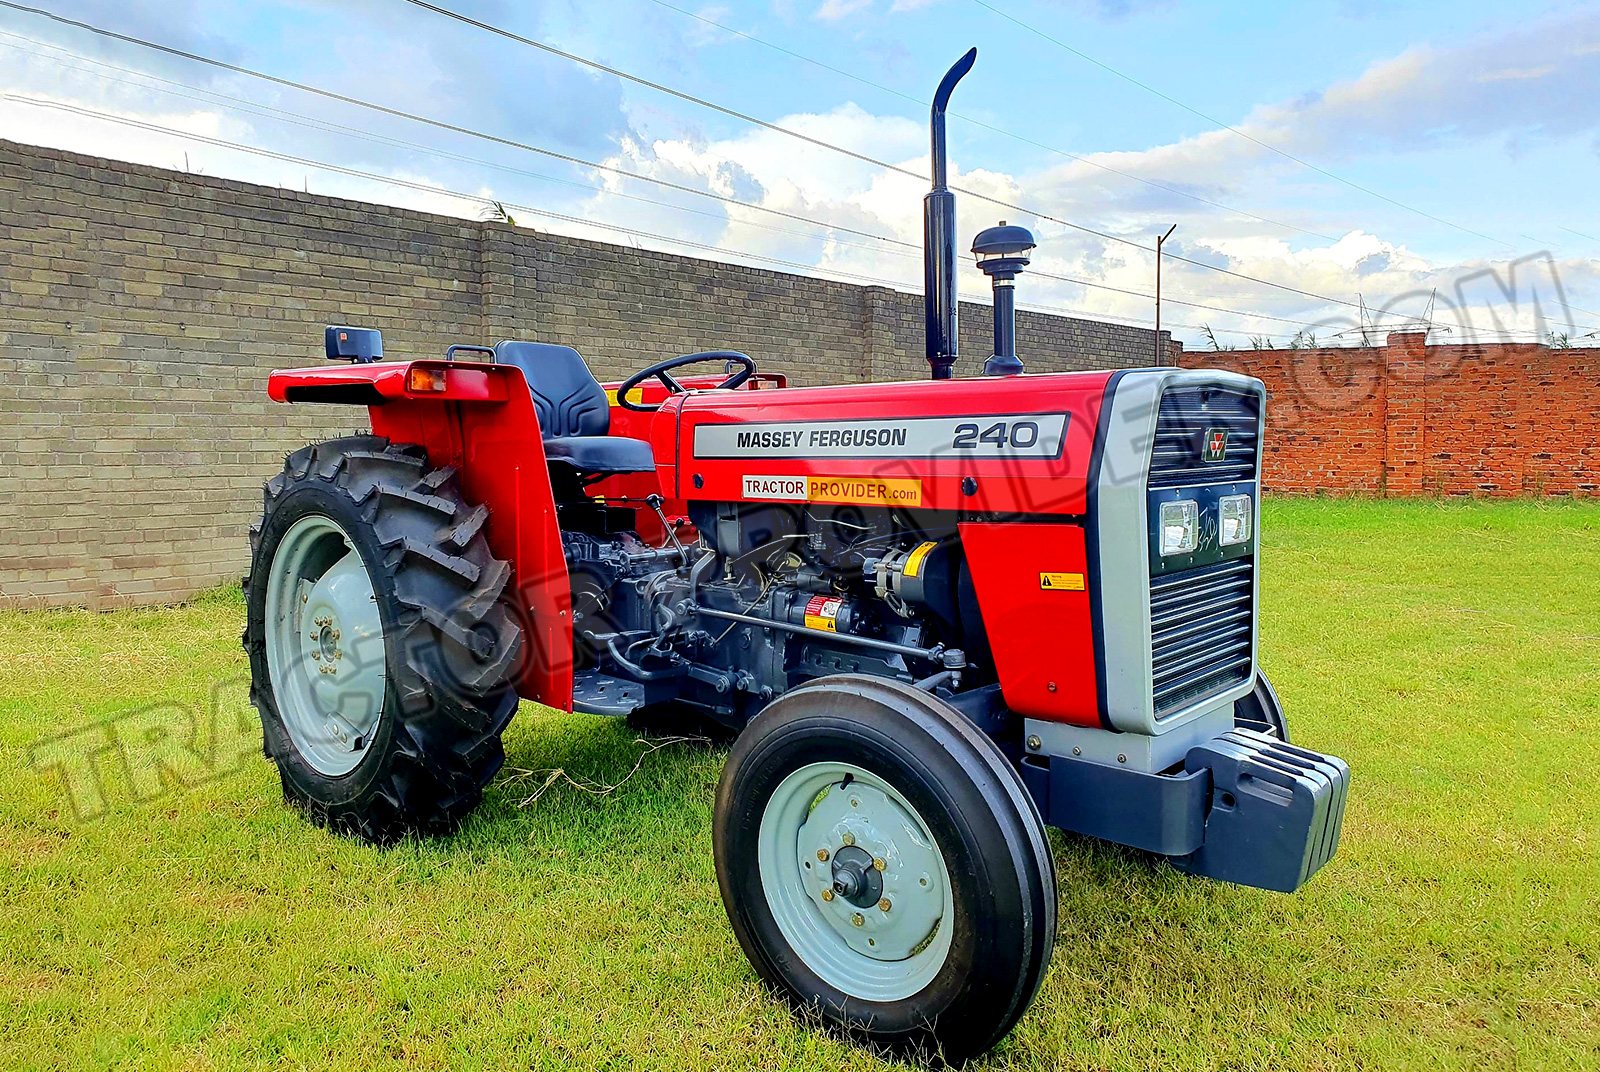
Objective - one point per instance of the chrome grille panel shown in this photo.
(1201, 632)
(1181, 424)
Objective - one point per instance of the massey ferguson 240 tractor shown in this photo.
(940, 616)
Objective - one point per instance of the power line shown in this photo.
(576, 160)
(903, 248)
(392, 180)
(208, 96)
(1174, 301)
(509, 35)
(1062, 152)
(1235, 130)
(485, 201)
(455, 128)
(989, 126)
(412, 117)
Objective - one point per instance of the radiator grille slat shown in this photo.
(1186, 415)
(1200, 631)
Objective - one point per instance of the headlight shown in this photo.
(1179, 526)
(1235, 516)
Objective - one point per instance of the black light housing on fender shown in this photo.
(1002, 253)
(359, 345)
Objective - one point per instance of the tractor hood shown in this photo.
(1017, 445)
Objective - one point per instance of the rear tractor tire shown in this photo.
(383, 649)
(884, 868)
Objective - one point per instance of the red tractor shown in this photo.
(939, 615)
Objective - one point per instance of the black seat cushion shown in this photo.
(574, 413)
(601, 454)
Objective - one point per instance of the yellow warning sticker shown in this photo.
(822, 612)
(866, 490)
(636, 395)
(915, 559)
(1061, 582)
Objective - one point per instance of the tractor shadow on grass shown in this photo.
(599, 784)
(1139, 942)
(589, 807)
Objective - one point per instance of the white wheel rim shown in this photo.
(816, 827)
(325, 645)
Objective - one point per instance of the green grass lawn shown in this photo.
(1450, 652)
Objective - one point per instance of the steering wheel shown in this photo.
(661, 370)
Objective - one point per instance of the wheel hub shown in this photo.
(872, 870)
(327, 639)
(855, 878)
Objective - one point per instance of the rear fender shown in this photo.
(482, 424)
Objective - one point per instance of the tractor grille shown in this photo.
(1187, 413)
(1200, 632)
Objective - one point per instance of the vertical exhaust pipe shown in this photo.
(939, 238)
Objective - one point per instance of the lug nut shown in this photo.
(883, 904)
(879, 862)
(857, 918)
(827, 893)
(849, 838)
(822, 855)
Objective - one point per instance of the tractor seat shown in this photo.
(574, 413)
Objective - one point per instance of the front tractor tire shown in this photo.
(383, 651)
(884, 868)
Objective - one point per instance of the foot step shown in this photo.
(594, 693)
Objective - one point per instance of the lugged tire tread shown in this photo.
(453, 705)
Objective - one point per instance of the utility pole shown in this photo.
(1161, 358)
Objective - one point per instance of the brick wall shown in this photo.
(140, 310)
(1408, 418)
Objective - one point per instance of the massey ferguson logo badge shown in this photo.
(1216, 445)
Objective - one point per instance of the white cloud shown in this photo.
(834, 10)
(1516, 74)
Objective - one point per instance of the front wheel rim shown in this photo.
(325, 646)
(856, 882)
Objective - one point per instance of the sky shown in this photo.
(1336, 168)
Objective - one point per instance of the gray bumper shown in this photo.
(1246, 808)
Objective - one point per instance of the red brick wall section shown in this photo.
(1408, 418)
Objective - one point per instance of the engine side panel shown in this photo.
(1032, 584)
